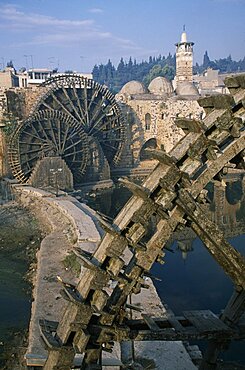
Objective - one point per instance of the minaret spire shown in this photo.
(184, 59)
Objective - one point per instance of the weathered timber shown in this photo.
(172, 192)
(232, 262)
(194, 325)
(74, 118)
(233, 313)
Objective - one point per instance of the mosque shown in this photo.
(151, 112)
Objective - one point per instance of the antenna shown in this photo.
(184, 27)
(27, 57)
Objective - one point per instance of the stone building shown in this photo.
(153, 110)
(151, 115)
(8, 78)
(210, 83)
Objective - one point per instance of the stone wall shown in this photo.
(162, 127)
(52, 172)
(15, 104)
(2, 155)
(66, 226)
(18, 101)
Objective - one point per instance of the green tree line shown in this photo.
(146, 71)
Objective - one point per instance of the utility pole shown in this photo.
(3, 62)
(26, 58)
(51, 62)
(82, 57)
(31, 60)
(31, 57)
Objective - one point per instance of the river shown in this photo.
(191, 279)
(19, 239)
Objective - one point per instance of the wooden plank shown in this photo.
(205, 321)
(35, 359)
(180, 150)
(191, 165)
(210, 119)
(219, 136)
(175, 323)
(150, 322)
(46, 329)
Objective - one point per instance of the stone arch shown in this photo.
(147, 122)
(151, 144)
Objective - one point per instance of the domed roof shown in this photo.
(133, 87)
(186, 88)
(160, 86)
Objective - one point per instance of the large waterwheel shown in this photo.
(76, 119)
(48, 133)
(173, 192)
(92, 105)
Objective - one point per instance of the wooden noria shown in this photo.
(93, 318)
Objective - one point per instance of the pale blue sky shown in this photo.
(79, 33)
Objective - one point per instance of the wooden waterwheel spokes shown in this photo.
(92, 105)
(48, 133)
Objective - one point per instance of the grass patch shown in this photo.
(70, 262)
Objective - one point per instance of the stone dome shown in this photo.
(133, 88)
(186, 88)
(160, 86)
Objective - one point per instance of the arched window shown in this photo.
(147, 122)
(152, 144)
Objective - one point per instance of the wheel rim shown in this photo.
(92, 105)
(48, 134)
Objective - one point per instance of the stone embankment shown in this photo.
(72, 224)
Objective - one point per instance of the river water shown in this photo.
(15, 302)
(190, 278)
(19, 239)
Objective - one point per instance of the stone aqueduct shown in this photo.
(173, 192)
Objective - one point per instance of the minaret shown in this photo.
(184, 59)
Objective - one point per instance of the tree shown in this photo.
(206, 60)
(10, 64)
(159, 71)
(168, 71)
(96, 73)
(146, 71)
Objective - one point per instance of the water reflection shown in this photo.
(225, 207)
(108, 201)
(191, 279)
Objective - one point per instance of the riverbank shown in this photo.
(19, 240)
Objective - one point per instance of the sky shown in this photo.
(77, 34)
